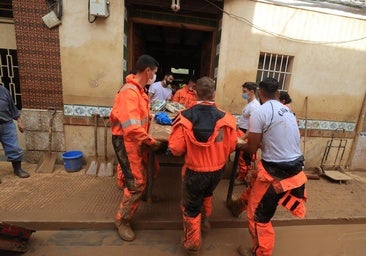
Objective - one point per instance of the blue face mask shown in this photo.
(245, 96)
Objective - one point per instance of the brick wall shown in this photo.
(38, 51)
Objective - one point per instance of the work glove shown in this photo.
(163, 118)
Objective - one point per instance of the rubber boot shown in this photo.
(205, 214)
(192, 234)
(18, 171)
(125, 231)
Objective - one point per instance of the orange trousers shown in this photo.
(262, 205)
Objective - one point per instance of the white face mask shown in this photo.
(150, 81)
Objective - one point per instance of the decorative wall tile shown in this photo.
(324, 125)
(350, 127)
(301, 123)
(81, 110)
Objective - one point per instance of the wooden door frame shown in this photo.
(133, 20)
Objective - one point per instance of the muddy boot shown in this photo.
(18, 171)
(244, 251)
(237, 207)
(191, 252)
(125, 231)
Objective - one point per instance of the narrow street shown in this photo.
(311, 240)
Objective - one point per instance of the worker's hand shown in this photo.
(240, 144)
(159, 147)
(21, 126)
(277, 186)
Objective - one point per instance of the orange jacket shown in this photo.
(130, 116)
(203, 156)
(185, 97)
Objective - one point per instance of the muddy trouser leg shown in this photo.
(121, 154)
(196, 186)
(261, 207)
(129, 156)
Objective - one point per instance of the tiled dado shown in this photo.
(84, 111)
(327, 125)
(87, 111)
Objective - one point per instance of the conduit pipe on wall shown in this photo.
(306, 126)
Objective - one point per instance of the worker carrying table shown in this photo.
(205, 135)
(130, 120)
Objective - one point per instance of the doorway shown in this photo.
(184, 49)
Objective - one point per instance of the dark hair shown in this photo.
(192, 79)
(146, 61)
(251, 86)
(269, 85)
(284, 96)
(168, 73)
(205, 88)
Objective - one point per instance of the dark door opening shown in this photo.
(178, 48)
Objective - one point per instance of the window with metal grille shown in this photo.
(6, 9)
(277, 66)
(9, 74)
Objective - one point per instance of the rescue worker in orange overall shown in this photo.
(206, 136)
(130, 120)
(187, 95)
(279, 178)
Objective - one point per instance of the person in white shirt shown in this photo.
(279, 178)
(249, 90)
(162, 90)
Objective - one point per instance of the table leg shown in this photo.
(232, 176)
(150, 174)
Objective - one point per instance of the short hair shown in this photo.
(205, 88)
(192, 79)
(269, 85)
(284, 96)
(169, 73)
(146, 61)
(251, 86)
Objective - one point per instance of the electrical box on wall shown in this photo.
(51, 20)
(99, 8)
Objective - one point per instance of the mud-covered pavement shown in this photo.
(311, 240)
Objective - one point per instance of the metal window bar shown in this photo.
(8, 73)
(276, 66)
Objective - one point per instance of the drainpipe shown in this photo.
(359, 125)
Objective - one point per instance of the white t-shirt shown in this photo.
(281, 136)
(159, 92)
(246, 112)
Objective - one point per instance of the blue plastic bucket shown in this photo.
(73, 160)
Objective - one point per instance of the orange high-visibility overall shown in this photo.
(130, 120)
(266, 193)
(185, 97)
(206, 135)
